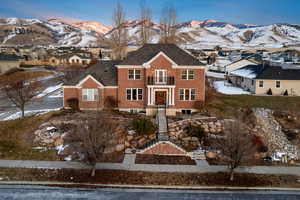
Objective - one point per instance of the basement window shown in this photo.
(186, 112)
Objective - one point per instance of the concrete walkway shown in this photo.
(162, 124)
(147, 167)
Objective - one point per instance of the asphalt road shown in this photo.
(45, 193)
(44, 103)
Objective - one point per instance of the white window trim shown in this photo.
(134, 74)
(263, 85)
(190, 94)
(92, 97)
(279, 84)
(137, 93)
(164, 77)
(187, 74)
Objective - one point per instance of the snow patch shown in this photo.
(226, 88)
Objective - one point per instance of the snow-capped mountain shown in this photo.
(15, 31)
(210, 33)
(93, 26)
(191, 34)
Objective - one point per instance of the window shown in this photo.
(134, 94)
(134, 74)
(187, 74)
(252, 82)
(186, 112)
(187, 94)
(261, 83)
(90, 95)
(160, 76)
(277, 84)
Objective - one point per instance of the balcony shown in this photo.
(166, 80)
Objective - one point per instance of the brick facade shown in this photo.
(118, 92)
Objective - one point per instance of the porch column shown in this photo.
(152, 96)
(169, 96)
(173, 96)
(149, 97)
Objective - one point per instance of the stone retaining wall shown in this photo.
(271, 132)
(178, 134)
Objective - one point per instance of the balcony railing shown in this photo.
(166, 80)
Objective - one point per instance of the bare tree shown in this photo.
(119, 36)
(236, 146)
(20, 90)
(94, 135)
(168, 22)
(145, 28)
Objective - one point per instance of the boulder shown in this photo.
(120, 147)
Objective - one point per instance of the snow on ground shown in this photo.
(29, 113)
(226, 88)
(57, 94)
(49, 90)
(86, 40)
(215, 74)
(11, 35)
(247, 73)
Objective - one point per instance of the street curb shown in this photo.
(129, 186)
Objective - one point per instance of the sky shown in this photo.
(261, 12)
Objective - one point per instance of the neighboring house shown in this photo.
(8, 62)
(78, 59)
(239, 64)
(154, 75)
(70, 59)
(260, 78)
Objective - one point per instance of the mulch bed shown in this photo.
(167, 160)
(149, 178)
(115, 157)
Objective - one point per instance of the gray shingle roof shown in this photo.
(268, 72)
(148, 51)
(104, 71)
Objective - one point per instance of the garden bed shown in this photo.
(167, 160)
(149, 178)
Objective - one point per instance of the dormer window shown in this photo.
(134, 74)
(187, 74)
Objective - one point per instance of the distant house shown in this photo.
(70, 59)
(239, 64)
(262, 78)
(156, 75)
(78, 59)
(8, 62)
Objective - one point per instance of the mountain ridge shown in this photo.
(190, 34)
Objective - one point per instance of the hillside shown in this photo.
(192, 34)
(52, 32)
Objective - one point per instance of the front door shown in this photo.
(160, 97)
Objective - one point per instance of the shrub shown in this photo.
(269, 92)
(110, 102)
(286, 93)
(195, 131)
(73, 103)
(143, 126)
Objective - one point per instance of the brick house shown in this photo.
(154, 75)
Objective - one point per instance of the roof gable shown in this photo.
(172, 51)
